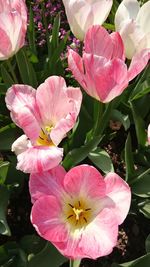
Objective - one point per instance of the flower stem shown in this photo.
(12, 71)
(74, 263)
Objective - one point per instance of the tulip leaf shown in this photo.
(55, 33)
(116, 115)
(129, 159)
(141, 184)
(49, 256)
(6, 76)
(3, 171)
(102, 160)
(147, 244)
(139, 125)
(144, 207)
(143, 261)
(4, 197)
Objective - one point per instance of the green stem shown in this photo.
(74, 263)
(12, 71)
(98, 113)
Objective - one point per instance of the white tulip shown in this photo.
(82, 14)
(133, 24)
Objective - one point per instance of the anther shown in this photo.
(85, 219)
(41, 137)
(87, 209)
(70, 205)
(69, 216)
(79, 203)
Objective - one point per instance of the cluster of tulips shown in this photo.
(78, 211)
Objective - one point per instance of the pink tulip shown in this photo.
(102, 71)
(45, 115)
(149, 134)
(79, 211)
(13, 26)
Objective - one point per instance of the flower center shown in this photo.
(44, 137)
(78, 215)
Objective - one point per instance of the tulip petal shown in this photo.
(65, 124)
(5, 46)
(119, 191)
(127, 10)
(46, 217)
(138, 63)
(20, 100)
(149, 134)
(118, 46)
(84, 179)
(143, 18)
(49, 183)
(39, 159)
(98, 42)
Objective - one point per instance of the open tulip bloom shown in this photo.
(13, 26)
(133, 23)
(101, 70)
(82, 14)
(79, 211)
(45, 115)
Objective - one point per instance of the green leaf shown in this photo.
(116, 115)
(49, 256)
(129, 159)
(144, 207)
(32, 245)
(3, 171)
(141, 184)
(26, 69)
(139, 125)
(147, 244)
(7, 137)
(6, 76)
(55, 33)
(4, 197)
(143, 261)
(102, 160)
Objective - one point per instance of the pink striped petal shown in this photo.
(98, 42)
(84, 179)
(49, 183)
(20, 100)
(118, 47)
(46, 217)
(39, 159)
(138, 63)
(5, 46)
(118, 190)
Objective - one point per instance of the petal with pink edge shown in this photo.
(84, 179)
(67, 123)
(118, 47)
(98, 42)
(20, 100)
(39, 159)
(119, 191)
(47, 183)
(138, 63)
(46, 218)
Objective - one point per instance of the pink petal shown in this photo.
(46, 218)
(98, 42)
(105, 80)
(57, 107)
(99, 237)
(20, 100)
(118, 47)
(149, 134)
(84, 179)
(39, 159)
(119, 191)
(66, 124)
(75, 64)
(47, 183)
(5, 45)
(138, 63)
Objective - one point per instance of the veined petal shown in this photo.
(56, 106)
(98, 42)
(86, 180)
(118, 46)
(39, 159)
(119, 191)
(65, 124)
(128, 9)
(138, 63)
(143, 18)
(47, 183)
(46, 218)
(20, 100)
